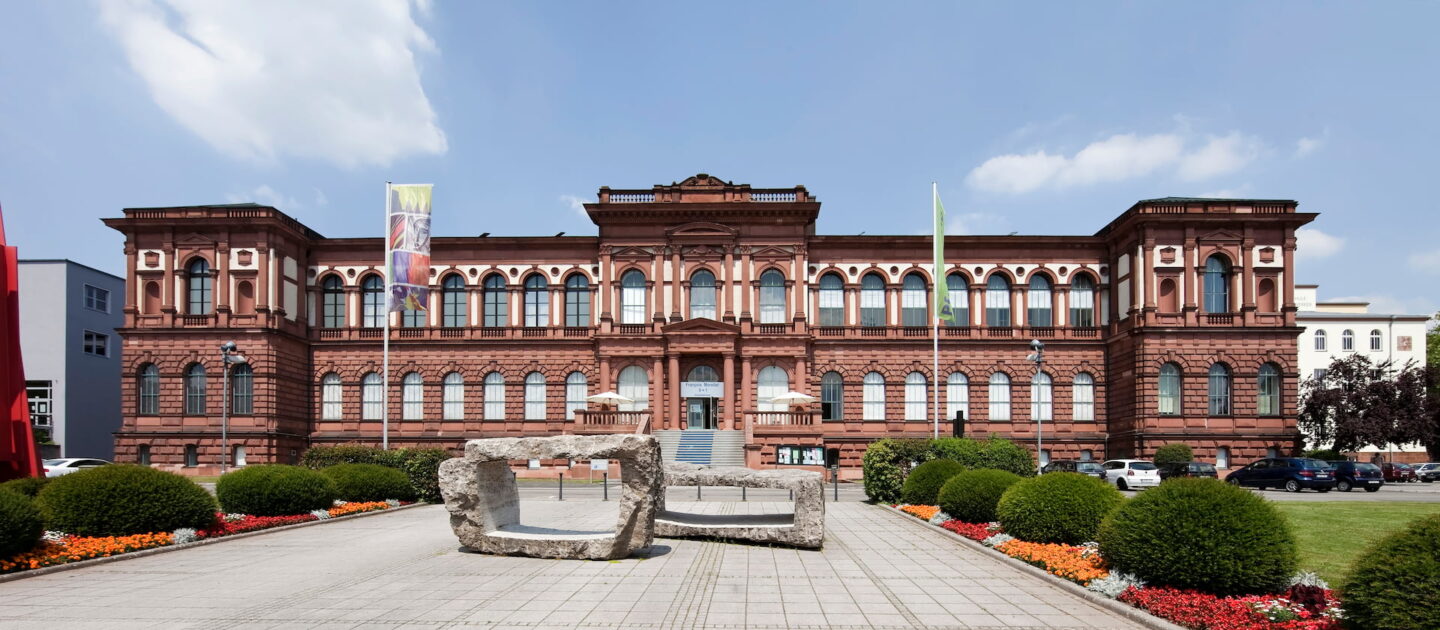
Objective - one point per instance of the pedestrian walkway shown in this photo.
(404, 569)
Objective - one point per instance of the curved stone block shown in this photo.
(804, 528)
(484, 502)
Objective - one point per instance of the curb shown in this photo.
(1118, 607)
(80, 564)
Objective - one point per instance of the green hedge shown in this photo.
(275, 490)
(1395, 584)
(369, 482)
(1326, 454)
(420, 465)
(20, 524)
(124, 499)
(1174, 454)
(994, 453)
(1201, 534)
(886, 464)
(28, 486)
(924, 482)
(1060, 507)
(973, 495)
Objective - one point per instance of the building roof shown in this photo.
(66, 261)
(1303, 315)
(1225, 199)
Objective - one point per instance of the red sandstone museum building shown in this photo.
(701, 301)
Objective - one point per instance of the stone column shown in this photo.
(262, 282)
(132, 283)
(802, 378)
(1148, 268)
(1021, 316)
(727, 419)
(675, 277)
(605, 273)
(675, 410)
(167, 285)
(604, 374)
(657, 389)
(657, 308)
(1188, 265)
(746, 270)
(726, 289)
(746, 395)
(222, 279)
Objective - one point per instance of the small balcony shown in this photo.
(603, 422)
(783, 423)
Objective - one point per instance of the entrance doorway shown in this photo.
(700, 413)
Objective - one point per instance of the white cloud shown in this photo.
(1306, 146)
(577, 204)
(1219, 156)
(1427, 262)
(976, 223)
(333, 80)
(1312, 244)
(267, 196)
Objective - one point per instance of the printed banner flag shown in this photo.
(409, 247)
(942, 291)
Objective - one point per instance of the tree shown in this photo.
(1359, 403)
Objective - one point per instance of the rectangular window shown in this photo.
(97, 344)
(632, 305)
(537, 308)
(914, 307)
(97, 299)
(41, 395)
(872, 308)
(832, 307)
(1320, 374)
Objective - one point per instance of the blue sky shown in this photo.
(1041, 118)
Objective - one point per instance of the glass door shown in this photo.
(700, 413)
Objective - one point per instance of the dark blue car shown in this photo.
(1291, 473)
(1350, 475)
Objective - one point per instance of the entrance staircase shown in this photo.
(703, 447)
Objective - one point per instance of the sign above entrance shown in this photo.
(702, 389)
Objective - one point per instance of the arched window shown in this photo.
(872, 300)
(1265, 296)
(997, 302)
(632, 297)
(495, 301)
(1222, 457)
(1219, 390)
(1170, 390)
(192, 455)
(1084, 397)
(237, 456)
(1268, 401)
(577, 301)
(1320, 341)
(534, 396)
(1082, 302)
(242, 390)
(914, 306)
(999, 396)
(148, 384)
(577, 389)
(772, 297)
(635, 385)
(832, 300)
(537, 302)
(1042, 399)
(832, 397)
(1087, 455)
(332, 296)
(1169, 299)
(454, 312)
(372, 397)
(331, 407)
(957, 395)
(494, 396)
(1039, 313)
(702, 295)
(195, 390)
(873, 397)
(772, 382)
(372, 302)
(1377, 341)
(958, 290)
(915, 398)
(198, 280)
(702, 374)
(143, 455)
(452, 397)
(412, 397)
(1217, 285)
(1347, 341)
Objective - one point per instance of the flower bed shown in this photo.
(922, 512)
(977, 532)
(1077, 564)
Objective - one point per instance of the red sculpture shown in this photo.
(17, 442)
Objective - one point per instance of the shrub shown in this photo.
(1201, 534)
(28, 486)
(1327, 454)
(124, 499)
(995, 453)
(369, 482)
(886, 464)
(420, 465)
(317, 457)
(20, 524)
(1060, 507)
(924, 482)
(275, 491)
(1392, 584)
(971, 496)
(1174, 454)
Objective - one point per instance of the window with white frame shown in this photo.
(577, 300)
(372, 397)
(771, 382)
(537, 301)
(494, 396)
(577, 389)
(1347, 341)
(832, 396)
(372, 302)
(195, 390)
(1082, 302)
(1042, 389)
(872, 300)
(635, 385)
(1377, 341)
(454, 313)
(1268, 402)
(914, 301)
(772, 297)
(97, 299)
(632, 297)
(832, 300)
(1039, 313)
(915, 399)
(997, 302)
(452, 397)
(957, 395)
(242, 390)
(958, 296)
(412, 397)
(148, 384)
(873, 397)
(999, 396)
(1084, 397)
(1219, 390)
(534, 396)
(495, 302)
(331, 407)
(702, 295)
(1087, 455)
(1169, 389)
(332, 302)
(198, 281)
(41, 395)
(1319, 341)
(1222, 457)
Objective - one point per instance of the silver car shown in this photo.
(57, 467)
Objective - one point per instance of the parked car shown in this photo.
(1428, 472)
(1397, 473)
(65, 466)
(1291, 473)
(1187, 469)
(1129, 474)
(1094, 469)
(1350, 475)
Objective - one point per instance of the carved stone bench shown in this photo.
(804, 528)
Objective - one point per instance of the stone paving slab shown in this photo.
(405, 569)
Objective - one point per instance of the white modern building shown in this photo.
(1335, 330)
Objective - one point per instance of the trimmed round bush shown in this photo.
(1202, 534)
(422, 466)
(1060, 507)
(924, 482)
(1174, 454)
(124, 499)
(973, 495)
(369, 482)
(28, 486)
(275, 491)
(20, 524)
(886, 463)
(1392, 585)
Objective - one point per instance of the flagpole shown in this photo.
(385, 343)
(938, 276)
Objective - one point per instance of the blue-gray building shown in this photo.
(68, 316)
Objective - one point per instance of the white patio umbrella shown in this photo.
(609, 398)
(793, 398)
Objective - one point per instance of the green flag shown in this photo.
(942, 292)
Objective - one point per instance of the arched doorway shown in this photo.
(701, 411)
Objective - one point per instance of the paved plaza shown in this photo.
(878, 570)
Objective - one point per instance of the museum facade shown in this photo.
(699, 302)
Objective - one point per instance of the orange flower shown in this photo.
(922, 512)
(74, 548)
(1065, 561)
(355, 507)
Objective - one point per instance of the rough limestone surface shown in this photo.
(484, 502)
(805, 528)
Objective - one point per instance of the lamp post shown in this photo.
(229, 355)
(1037, 355)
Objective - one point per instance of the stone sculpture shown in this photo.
(804, 528)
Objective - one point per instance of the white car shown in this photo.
(57, 467)
(1131, 474)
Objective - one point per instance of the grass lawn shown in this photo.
(1332, 534)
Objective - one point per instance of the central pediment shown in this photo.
(701, 325)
